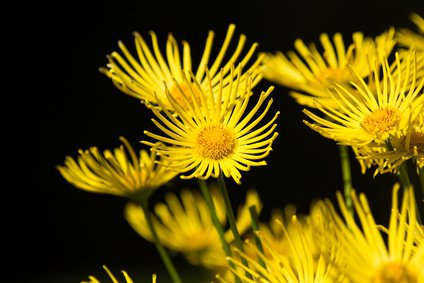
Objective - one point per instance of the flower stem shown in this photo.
(421, 177)
(230, 216)
(347, 177)
(402, 174)
(255, 228)
(208, 199)
(405, 181)
(162, 252)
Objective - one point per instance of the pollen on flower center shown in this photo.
(382, 121)
(395, 272)
(215, 143)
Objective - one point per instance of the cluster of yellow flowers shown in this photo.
(367, 96)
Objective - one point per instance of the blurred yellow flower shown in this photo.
(299, 263)
(186, 217)
(369, 252)
(113, 278)
(145, 77)
(309, 72)
(373, 114)
(215, 137)
(410, 39)
(119, 172)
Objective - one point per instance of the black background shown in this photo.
(58, 102)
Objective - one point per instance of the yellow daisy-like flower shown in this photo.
(373, 114)
(215, 137)
(186, 217)
(144, 77)
(403, 147)
(372, 253)
(309, 72)
(301, 264)
(117, 173)
(410, 39)
(127, 278)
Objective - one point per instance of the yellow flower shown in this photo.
(186, 217)
(115, 172)
(215, 137)
(410, 39)
(300, 264)
(144, 77)
(113, 278)
(409, 145)
(373, 113)
(309, 73)
(372, 253)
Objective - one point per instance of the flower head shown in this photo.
(215, 137)
(368, 252)
(375, 112)
(186, 217)
(410, 39)
(407, 146)
(144, 77)
(309, 72)
(114, 279)
(116, 172)
(299, 263)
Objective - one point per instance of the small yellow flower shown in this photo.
(309, 72)
(373, 113)
(372, 253)
(215, 137)
(187, 219)
(116, 172)
(114, 279)
(410, 39)
(144, 77)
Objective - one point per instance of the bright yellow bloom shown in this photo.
(309, 72)
(368, 252)
(114, 279)
(410, 39)
(116, 172)
(183, 224)
(373, 113)
(145, 77)
(301, 264)
(215, 137)
(409, 145)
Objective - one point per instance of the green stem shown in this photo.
(347, 177)
(255, 228)
(162, 252)
(421, 177)
(225, 245)
(402, 174)
(231, 218)
(405, 181)
(419, 194)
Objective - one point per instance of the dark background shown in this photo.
(58, 102)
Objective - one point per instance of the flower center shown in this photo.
(382, 121)
(215, 143)
(395, 272)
